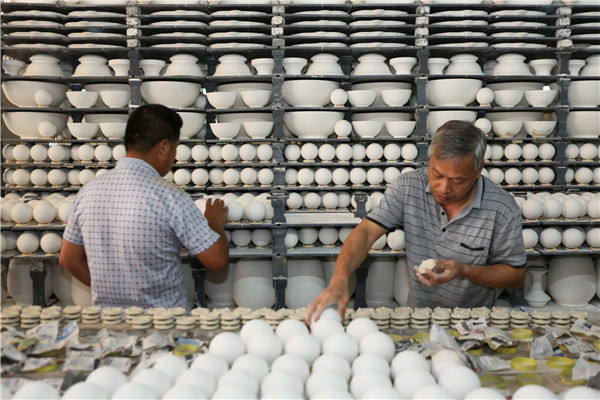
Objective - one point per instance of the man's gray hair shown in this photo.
(457, 139)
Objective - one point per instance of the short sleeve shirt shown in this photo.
(486, 232)
(132, 223)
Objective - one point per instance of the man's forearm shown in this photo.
(498, 276)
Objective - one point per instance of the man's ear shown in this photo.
(164, 147)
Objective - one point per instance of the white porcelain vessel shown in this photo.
(536, 296)
(401, 281)
(62, 282)
(43, 65)
(463, 64)
(20, 285)
(184, 64)
(92, 65)
(403, 65)
(572, 280)
(232, 65)
(511, 64)
(306, 280)
(380, 281)
(371, 64)
(324, 64)
(218, 286)
(253, 283)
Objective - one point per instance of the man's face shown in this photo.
(452, 179)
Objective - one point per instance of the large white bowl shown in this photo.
(256, 97)
(116, 98)
(170, 93)
(539, 128)
(382, 116)
(308, 92)
(527, 85)
(258, 129)
(452, 92)
(584, 93)
(245, 117)
(192, 123)
(311, 124)
(435, 119)
(367, 129)
(243, 86)
(100, 87)
(583, 124)
(221, 100)
(29, 124)
(225, 130)
(99, 118)
(83, 99)
(25, 93)
(400, 128)
(507, 128)
(113, 130)
(83, 130)
(379, 86)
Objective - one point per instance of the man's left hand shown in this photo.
(445, 271)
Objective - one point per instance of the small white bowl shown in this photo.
(540, 98)
(395, 97)
(367, 129)
(113, 130)
(82, 99)
(226, 130)
(83, 130)
(508, 98)
(361, 98)
(400, 128)
(506, 128)
(258, 129)
(115, 98)
(539, 128)
(221, 99)
(192, 123)
(256, 98)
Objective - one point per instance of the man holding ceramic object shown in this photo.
(463, 233)
(126, 228)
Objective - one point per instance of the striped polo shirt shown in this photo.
(486, 232)
(132, 223)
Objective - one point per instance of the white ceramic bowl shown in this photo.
(379, 86)
(113, 130)
(258, 129)
(256, 98)
(435, 119)
(192, 123)
(245, 117)
(583, 124)
(170, 93)
(361, 98)
(34, 93)
(311, 124)
(83, 130)
(367, 129)
(33, 124)
(584, 93)
(242, 86)
(452, 92)
(82, 99)
(221, 99)
(508, 98)
(400, 128)
(506, 128)
(396, 97)
(98, 118)
(540, 98)
(225, 130)
(100, 87)
(115, 98)
(539, 128)
(308, 92)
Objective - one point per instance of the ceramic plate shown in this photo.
(460, 13)
(31, 22)
(517, 34)
(178, 13)
(324, 13)
(181, 35)
(234, 45)
(377, 45)
(94, 45)
(376, 22)
(195, 24)
(238, 13)
(32, 34)
(233, 22)
(465, 44)
(99, 24)
(39, 46)
(588, 14)
(462, 22)
(95, 14)
(321, 22)
(378, 13)
(180, 45)
(36, 14)
(236, 34)
(320, 34)
(464, 33)
(96, 35)
(321, 44)
(587, 24)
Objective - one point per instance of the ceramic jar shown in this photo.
(43, 65)
(543, 66)
(62, 282)
(436, 65)
(20, 285)
(92, 65)
(306, 280)
(253, 283)
(324, 64)
(294, 65)
(380, 281)
(401, 281)
(536, 296)
(586, 93)
(463, 64)
(263, 66)
(80, 293)
(572, 280)
(120, 66)
(592, 66)
(511, 64)
(151, 66)
(371, 64)
(184, 64)
(231, 65)
(403, 65)
(13, 67)
(218, 286)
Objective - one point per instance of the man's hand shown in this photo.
(216, 214)
(445, 271)
(334, 293)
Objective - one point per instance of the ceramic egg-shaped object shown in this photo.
(182, 177)
(235, 211)
(584, 176)
(513, 176)
(248, 176)
(38, 152)
(374, 152)
(330, 200)
(86, 176)
(459, 381)
(358, 176)
(103, 153)
(183, 153)
(21, 152)
(241, 237)
(529, 152)
(290, 176)
(199, 153)
(44, 212)
(328, 236)
(593, 207)
(21, 213)
(85, 152)
(229, 153)
(552, 208)
(513, 151)
(247, 152)
(306, 176)
(36, 390)
(214, 153)
(21, 177)
(294, 201)
(379, 344)
(569, 175)
(266, 176)
(409, 152)
(359, 152)
(375, 176)
(573, 237)
(497, 152)
(264, 152)
(303, 345)
(326, 152)
(227, 345)
(57, 153)
(530, 238)
(38, 177)
(587, 152)
(592, 238)
(323, 176)
(216, 176)
(28, 242)
(344, 152)
(392, 152)
(532, 209)
(551, 238)
(308, 236)
(571, 151)
(396, 240)
(344, 199)
(312, 200)
(546, 151)
(200, 177)
(533, 392)
(342, 128)
(255, 211)
(338, 97)
(292, 152)
(485, 96)
(119, 152)
(546, 175)
(291, 238)
(390, 174)
(309, 151)
(340, 176)
(571, 208)
(529, 176)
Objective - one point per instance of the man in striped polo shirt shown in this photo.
(450, 213)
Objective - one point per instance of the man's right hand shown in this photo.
(336, 292)
(216, 214)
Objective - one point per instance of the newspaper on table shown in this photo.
(583, 326)
(576, 346)
(584, 369)
(496, 338)
(543, 346)
(492, 363)
(472, 329)
(121, 363)
(157, 341)
(35, 363)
